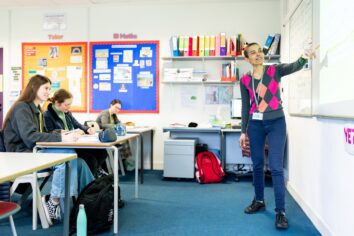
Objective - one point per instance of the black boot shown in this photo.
(255, 206)
(281, 222)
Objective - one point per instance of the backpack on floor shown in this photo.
(208, 168)
(98, 198)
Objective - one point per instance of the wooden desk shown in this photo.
(13, 165)
(143, 132)
(94, 143)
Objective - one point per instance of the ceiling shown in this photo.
(28, 3)
(38, 3)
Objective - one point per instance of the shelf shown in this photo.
(205, 58)
(199, 82)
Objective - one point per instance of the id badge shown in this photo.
(257, 116)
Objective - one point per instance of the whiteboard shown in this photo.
(333, 90)
(300, 83)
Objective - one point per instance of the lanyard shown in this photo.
(256, 93)
(40, 122)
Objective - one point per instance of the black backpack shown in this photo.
(98, 197)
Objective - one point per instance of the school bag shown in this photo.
(208, 168)
(98, 197)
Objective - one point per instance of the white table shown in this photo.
(16, 164)
(144, 139)
(94, 143)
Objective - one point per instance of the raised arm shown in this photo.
(286, 69)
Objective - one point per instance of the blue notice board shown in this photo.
(125, 70)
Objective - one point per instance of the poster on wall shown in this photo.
(125, 70)
(64, 63)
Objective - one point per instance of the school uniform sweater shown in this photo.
(267, 91)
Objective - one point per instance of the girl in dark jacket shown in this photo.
(58, 118)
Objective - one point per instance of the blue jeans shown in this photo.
(275, 131)
(79, 178)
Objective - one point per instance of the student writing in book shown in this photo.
(263, 117)
(24, 126)
(109, 119)
(59, 118)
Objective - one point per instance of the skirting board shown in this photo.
(158, 165)
(316, 220)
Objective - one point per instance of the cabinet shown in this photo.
(179, 158)
(203, 70)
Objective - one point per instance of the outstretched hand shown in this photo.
(310, 53)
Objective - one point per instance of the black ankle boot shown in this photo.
(255, 206)
(281, 222)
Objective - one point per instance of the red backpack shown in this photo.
(208, 168)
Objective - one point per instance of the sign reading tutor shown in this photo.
(125, 70)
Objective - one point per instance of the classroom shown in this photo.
(181, 76)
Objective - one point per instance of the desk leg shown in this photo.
(34, 201)
(223, 151)
(115, 186)
(67, 199)
(152, 150)
(137, 166)
(141, 158)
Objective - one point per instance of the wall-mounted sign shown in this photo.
(55, 36)
(54, 21)
(125, 36)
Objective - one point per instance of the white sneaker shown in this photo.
(51, 209)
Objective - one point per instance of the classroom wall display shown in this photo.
(300, 83)
(125, 70)
(64, 63)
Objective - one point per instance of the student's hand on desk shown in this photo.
(91, 130)
(243, 140)
(80, 132)
(70, 137)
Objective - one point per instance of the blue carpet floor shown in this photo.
(183, 207)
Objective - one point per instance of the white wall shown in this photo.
(154, 20)
(320, 171)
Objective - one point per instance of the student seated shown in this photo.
(109, 118)
(58, 118)
(24, 127)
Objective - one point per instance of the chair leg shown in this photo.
(37, 206)
(121, 165)
(13, 187)
(13, 228)
(120, 161)
(108, 163)
(44, 182)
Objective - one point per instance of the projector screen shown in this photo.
(334, 84)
